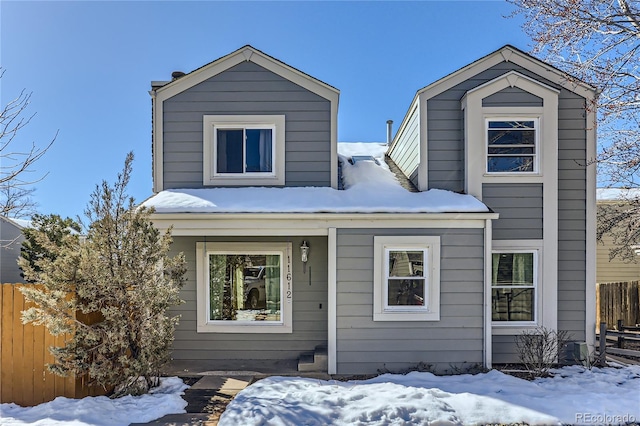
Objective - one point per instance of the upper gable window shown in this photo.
(244, 150)
(512, 145)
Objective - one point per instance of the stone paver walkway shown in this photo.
(207, 400)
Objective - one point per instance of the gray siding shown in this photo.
(309, 311)
(365, 346)
(445, 124)
(572, 223)
(248, 88)
(406, 152)
(512, 97)
(504, 350)
(520, 208)
(10, 242)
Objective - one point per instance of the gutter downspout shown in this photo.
(487, 343)
(332, 308)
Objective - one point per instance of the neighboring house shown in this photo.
(11, 239)
(614, 270)
(478, 224)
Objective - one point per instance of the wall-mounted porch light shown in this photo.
(304, 252)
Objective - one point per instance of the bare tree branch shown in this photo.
(598, 41)
(17, 158)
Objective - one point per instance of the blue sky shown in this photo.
(89, 66)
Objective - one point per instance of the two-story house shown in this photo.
(475, 223)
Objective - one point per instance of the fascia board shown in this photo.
(547, 72)
(199, 75)
(301, 79)
(507, 76)
(271, 225)
(326, 216)
(248, 53)
(460, 76)
(509, 54)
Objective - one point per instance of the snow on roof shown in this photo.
(615, 194)
(23, 223)
(20, 223)
(370, 187)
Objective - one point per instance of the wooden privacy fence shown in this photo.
(618, 301)
(24, 353)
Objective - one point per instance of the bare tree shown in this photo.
(17, 201)
(17, 159)
(598, 41)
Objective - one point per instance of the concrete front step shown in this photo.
(317, 361)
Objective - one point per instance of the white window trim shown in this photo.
(213, 122)
(429, 312)
(536, 154)
(536, 280)
(475, 135)
(204, 325)
(541, 296)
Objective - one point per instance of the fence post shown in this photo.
(603, 342)
(620, 325)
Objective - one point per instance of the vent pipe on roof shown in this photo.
(177, 74)
(389, 125)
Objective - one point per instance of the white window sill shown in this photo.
(225, 327)
(500, 329)
(406, 316)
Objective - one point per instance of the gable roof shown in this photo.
(162, 91)
(508, 53)
(250, 54)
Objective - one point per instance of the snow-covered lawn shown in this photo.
(100, 410)
(574, 396)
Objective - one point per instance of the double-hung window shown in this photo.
(512, 145)
(407, 278)
(244, 150)
(514, 278)
(244, 288)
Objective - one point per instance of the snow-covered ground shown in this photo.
(574, 396)
(100, 410)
